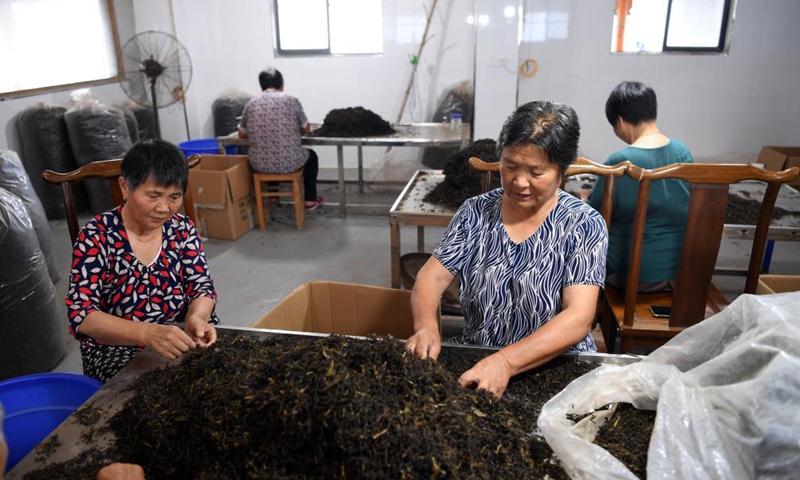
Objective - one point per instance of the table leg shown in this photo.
(394, 242)
(420, 239)
(342, 193)
(360, 170)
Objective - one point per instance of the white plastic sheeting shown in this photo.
(726, 392)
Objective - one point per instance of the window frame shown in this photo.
(280, 52)
(112, 18)
(723, 33)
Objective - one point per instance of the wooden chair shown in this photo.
(296, 178)
(694, 297)
(108, 169)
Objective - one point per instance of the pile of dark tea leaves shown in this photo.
(744, 211)
(460, 180)
(331, 407)
(353, 122)
(626, 435)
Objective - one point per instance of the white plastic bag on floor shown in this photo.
(726, 392)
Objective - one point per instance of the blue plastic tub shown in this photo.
(36, 404)
(206, 146)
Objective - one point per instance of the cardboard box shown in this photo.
(222, 190)
(343, 308)
(769, 284)
(780, 158)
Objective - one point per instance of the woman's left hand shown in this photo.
(492, 374)
(200, 331)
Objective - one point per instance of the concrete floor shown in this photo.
(253, 273)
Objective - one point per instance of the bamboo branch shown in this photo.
(425, 39)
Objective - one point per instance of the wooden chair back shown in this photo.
(581, 166)
(694, 296)
(103, 169)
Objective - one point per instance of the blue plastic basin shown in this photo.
(206, 146)
(35, 405)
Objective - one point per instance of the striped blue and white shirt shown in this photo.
(509, 290)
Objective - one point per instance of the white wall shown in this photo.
(496, 53)
(110, 94)
(724, 107)
(231, 42)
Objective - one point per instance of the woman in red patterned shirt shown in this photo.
(139, 267)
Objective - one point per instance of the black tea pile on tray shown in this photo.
(744, 211)
(333, 407)
(460, 180)
(353, 122)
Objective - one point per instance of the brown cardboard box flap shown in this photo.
(228, 223)
(769, 284)
(220, 180)
(774, 158)
(240, 180)
(343, 308)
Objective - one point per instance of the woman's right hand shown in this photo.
(425, 343)
(168, 341)
(121, 471)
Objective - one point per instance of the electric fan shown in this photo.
(157, 72)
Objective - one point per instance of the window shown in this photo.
(654, 26)
(47, 44)
(328, 27)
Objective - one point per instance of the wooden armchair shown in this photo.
(694, 297)
(108, 169)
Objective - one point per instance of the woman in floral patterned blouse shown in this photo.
(139, 267)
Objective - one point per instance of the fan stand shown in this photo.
(153, 69)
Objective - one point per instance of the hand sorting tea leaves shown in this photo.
(335, 407)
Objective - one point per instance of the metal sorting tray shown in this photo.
(112, 396)
(412, 134)
(411, 199)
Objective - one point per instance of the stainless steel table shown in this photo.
(410, 209)
(112, 396)
(407, 135)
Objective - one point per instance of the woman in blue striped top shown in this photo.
(531, 258)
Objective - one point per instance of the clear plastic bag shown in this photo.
(388, 168)
(456, 99)
(726, 392)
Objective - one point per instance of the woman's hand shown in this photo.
(121, 471)
(203, 334)
(3, 452)
(492, 374)
(168, 341)
(425, 343)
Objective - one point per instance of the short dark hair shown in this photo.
(162, 161)
(634, 102)
(270, 78)
(551, 126)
